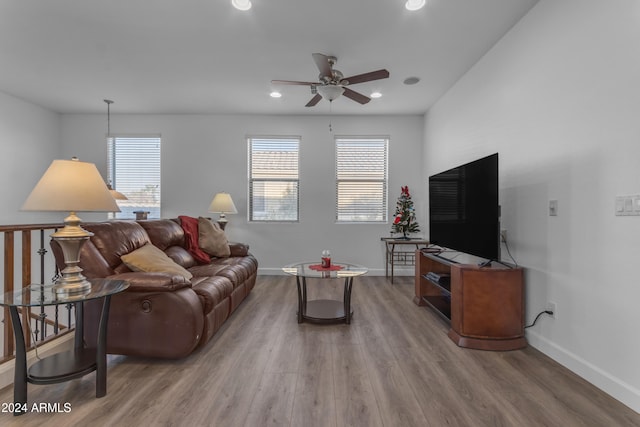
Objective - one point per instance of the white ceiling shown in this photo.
(204, 56)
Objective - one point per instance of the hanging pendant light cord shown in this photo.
(108, 102)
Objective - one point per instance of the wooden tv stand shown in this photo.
(484, 305)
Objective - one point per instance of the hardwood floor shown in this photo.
(393, 366)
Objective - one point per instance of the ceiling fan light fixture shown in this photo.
(375, 95)
(241, 4)
(414, 5)
(275, 94)
(330, 92)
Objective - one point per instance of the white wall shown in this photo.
(30, 140)
(205, 154)
(559, 98)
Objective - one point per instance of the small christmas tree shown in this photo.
(405, 216)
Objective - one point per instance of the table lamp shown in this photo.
(73, 186)
(222, 204)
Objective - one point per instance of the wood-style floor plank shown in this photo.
(393, 366)
(314, 402)
(356, 403)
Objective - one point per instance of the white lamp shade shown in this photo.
(71, 186)
(330, 92)
(222, 203)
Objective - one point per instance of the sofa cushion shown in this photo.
(236, 269)
(148, 258)
(112, 239)
(212, 239)
(180, 256)
(211, 291)
(164, 233)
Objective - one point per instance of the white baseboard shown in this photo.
(615, 387)
(7, 369)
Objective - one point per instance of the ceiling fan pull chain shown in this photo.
(330, 104)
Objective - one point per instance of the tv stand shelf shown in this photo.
(484, 305)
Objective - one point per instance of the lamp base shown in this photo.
(63, 289)
(222, 221)
(71, 238)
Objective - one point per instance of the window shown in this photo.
(273, 179)
(361, 179)
(134, 169)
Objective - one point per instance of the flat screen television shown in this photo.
(464, 212)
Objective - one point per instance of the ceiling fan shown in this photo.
(332, 83)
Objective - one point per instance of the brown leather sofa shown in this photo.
(160, 314)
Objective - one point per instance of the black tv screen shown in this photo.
(464, 214)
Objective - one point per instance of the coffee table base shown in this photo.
(325, 311)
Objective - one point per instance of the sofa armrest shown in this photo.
(148, 324)
(238, 249)
(152, 281)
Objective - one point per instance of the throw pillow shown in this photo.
(149, 258)
(212, 239)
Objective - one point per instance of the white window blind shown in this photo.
(273, 179)
(361, 179)
(134, 170)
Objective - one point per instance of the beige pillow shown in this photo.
(149, 258)
(211, 238)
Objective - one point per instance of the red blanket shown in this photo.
(190, 227)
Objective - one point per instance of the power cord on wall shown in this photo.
(506, 245)
(549, 312)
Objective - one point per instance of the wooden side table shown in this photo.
(403, 256)
(63, 366)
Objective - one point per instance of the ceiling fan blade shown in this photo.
(322, 62)
(292, 82)
(358, 97)
(314, 100)
(367, 77)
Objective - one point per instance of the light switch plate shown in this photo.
(553, 208)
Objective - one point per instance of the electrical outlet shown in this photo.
(552, 307)
(503, 236)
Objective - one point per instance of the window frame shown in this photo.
(383, 208)
(112, 178)
(251, 217)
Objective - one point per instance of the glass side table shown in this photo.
(322, 310)
(62, 366)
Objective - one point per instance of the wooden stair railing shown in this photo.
(45, 328)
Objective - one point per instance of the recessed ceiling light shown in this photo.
(375, 95)
(411, 80)
(242, 4)
(275, 94)
(414, 4)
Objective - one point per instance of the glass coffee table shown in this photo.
(323, 310)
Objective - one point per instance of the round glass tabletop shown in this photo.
(37, 295)
(337, 270)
